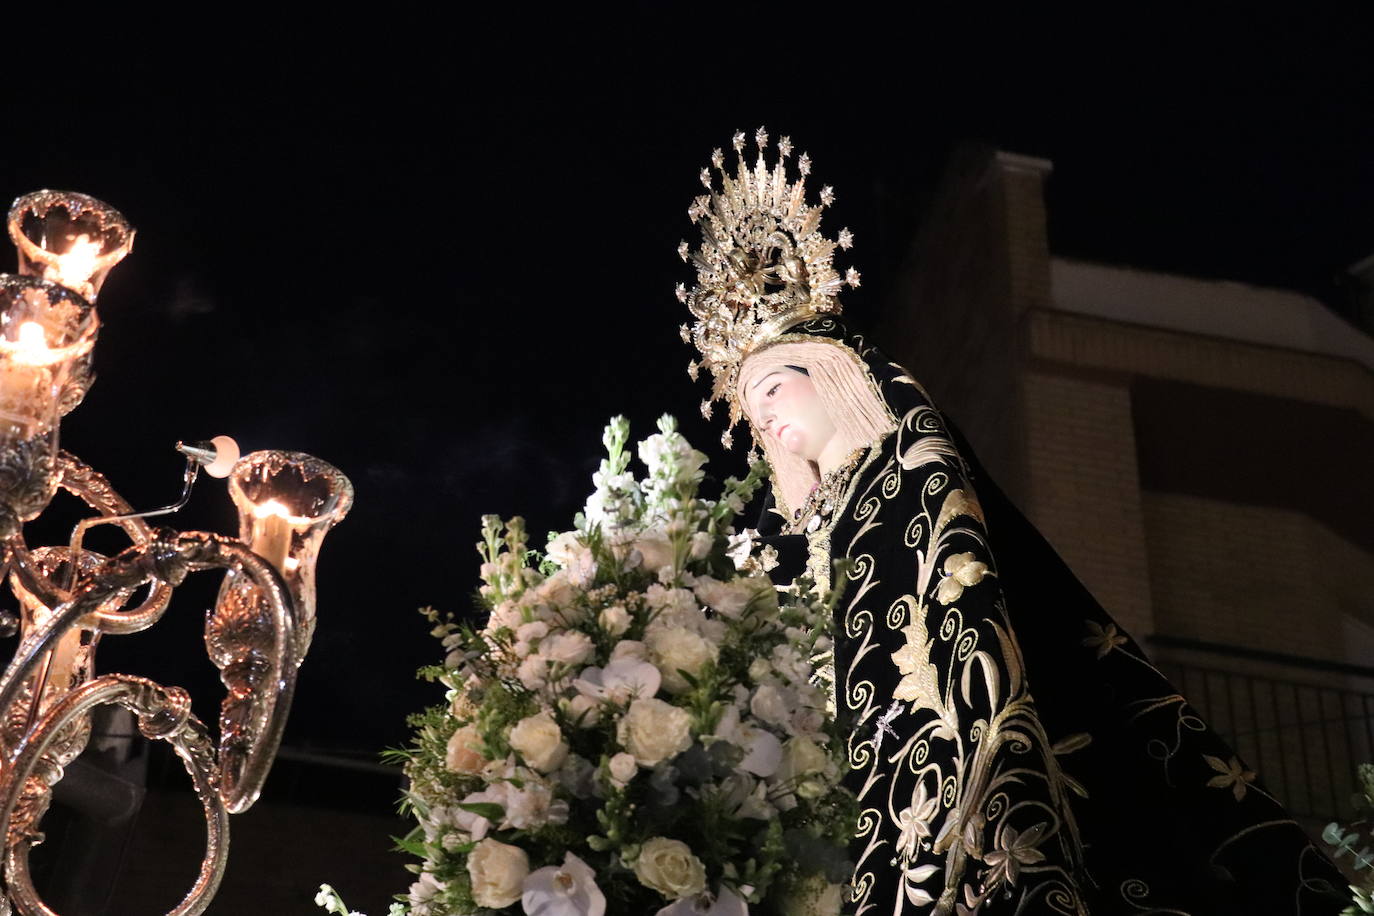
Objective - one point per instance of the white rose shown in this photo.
(669, 867)
(539, 741)
(615, 620)
(760, 669)
(569, 648)
(770, 704)
(675, 649)
(653, 730)
(582, 710)
(465, 751)
(623, 768)
(497, 871)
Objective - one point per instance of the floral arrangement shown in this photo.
(1344, 839)
(639, 727)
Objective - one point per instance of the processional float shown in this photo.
(69, 597)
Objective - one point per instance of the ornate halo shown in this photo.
(762, 266)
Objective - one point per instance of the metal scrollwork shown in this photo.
(256, 635)
(164, 713)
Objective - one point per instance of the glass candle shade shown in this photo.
(47, 333)
(287, 502)
(69, 238)
(69, 663)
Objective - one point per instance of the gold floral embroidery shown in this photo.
(920, 683)
(1103, 640)
(914, 822)
(1230, 775)
(1014, 850)
(961, 570)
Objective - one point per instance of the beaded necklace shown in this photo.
(821, 502)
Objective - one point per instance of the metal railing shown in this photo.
(1302, 738)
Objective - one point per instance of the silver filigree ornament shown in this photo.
(762, 265)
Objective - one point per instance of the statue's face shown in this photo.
(783, 404)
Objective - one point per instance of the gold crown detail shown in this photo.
(762, 266)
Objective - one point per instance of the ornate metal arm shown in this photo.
(163, 713)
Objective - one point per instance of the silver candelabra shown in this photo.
(69, 597)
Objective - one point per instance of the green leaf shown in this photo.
(491, 811)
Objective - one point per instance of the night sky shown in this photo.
(440, 260)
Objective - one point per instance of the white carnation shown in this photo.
(571, 647)
(771, 704)
(533, 671)
(497, 870)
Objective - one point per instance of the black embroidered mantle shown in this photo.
(1012, 749)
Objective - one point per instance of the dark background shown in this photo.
(440, 256)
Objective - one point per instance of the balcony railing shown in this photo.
(1302, 736)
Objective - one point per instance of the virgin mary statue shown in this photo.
(1012, 749)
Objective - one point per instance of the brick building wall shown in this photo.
(1198, 452)
(1084, 491)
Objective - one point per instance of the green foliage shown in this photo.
(1356, 840)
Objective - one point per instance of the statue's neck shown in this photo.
(831, 457)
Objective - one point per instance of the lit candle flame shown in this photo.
(30, 346)
(272, 534)
(31, 337)
(281, 510)
(74, 269)
(271, 507)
